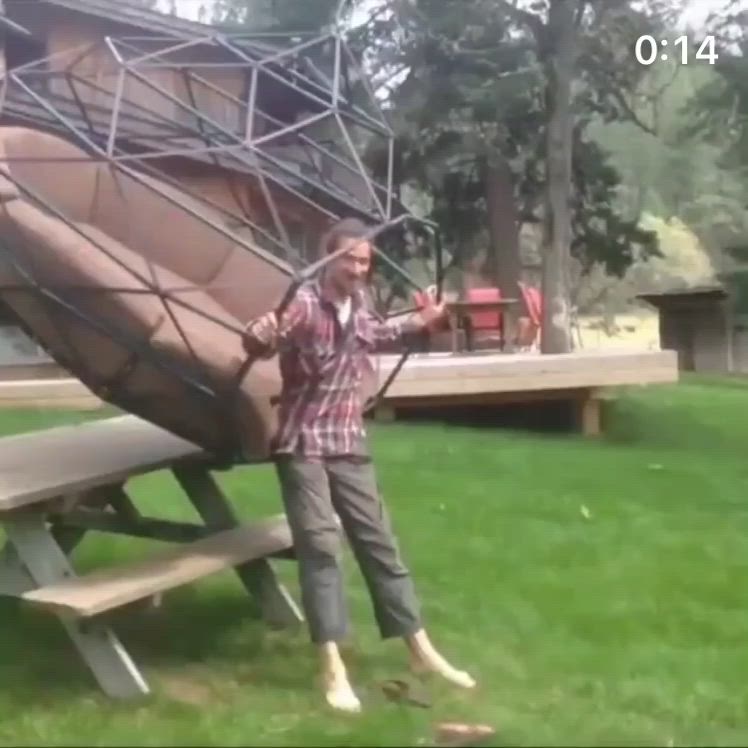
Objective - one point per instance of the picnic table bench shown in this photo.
(60, 483)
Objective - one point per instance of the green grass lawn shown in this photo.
(598, 592)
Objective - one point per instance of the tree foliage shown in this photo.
(276, 15)
(468, 97)
(473, 109)
(718, 115)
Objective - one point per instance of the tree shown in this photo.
(451, 141)
(586, 46)
(492, 114)
(719, 114)
(560, 38)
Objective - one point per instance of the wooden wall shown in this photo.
(700, 330)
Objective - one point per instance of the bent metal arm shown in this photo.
(391, 331)
(263, 336)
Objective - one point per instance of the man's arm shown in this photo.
(386, 331)
(398, 330)
(264, 335)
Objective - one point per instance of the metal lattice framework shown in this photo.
(64, 92)
(294, 118)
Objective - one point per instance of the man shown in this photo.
(324, 339)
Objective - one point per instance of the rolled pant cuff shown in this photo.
(322, 636)
(399, 631)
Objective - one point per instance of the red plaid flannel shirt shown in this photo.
(322, 366)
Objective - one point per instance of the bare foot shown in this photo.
(340, 695)
(425, 659)
(338, 692)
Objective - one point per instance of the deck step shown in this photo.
(111, 588)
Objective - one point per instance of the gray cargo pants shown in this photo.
(313, 491)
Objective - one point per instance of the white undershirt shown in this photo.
(344, 311)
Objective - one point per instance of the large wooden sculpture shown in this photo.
(148, 196)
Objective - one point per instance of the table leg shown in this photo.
(46, 563)
(454, 322)
(277, 606)
(14, 579)
(467, 326)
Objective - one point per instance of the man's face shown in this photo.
(349, 271)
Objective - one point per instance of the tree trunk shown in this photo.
(560, 64)
(503, 264)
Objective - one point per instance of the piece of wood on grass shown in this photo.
(453, 734)
(111, 588)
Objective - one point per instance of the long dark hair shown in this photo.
(347, 228)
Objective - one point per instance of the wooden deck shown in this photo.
(483, 374)
(584, 378)
(443, 379)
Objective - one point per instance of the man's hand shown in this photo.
(261, 335)
(432, 312)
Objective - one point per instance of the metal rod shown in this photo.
(229, 147)
(294, 50)
(112, 47)
(162, 176)
(158, 120)
(350, 104)
(27, 66)
(81, 288)
(115, 114)
(359, 163)
(390, 176)
(170, 49)
(79, 102)
(156, 288)
(339, 11)
(336, 75)
(263, 63)
(255, 169)
(310, 82)
(177, 65)
(228, 133)
(35, 286)
(252, 99)
(367, 85)
(290, 129)
(300, 135)
(3, 92)
(261, 253)
(85, 51)
(371, 126)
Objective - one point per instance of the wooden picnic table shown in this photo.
(460, 313)
(60, 483)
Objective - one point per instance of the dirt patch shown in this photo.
(187, 688)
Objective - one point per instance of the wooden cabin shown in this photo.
(70, 36)
(71, 48)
